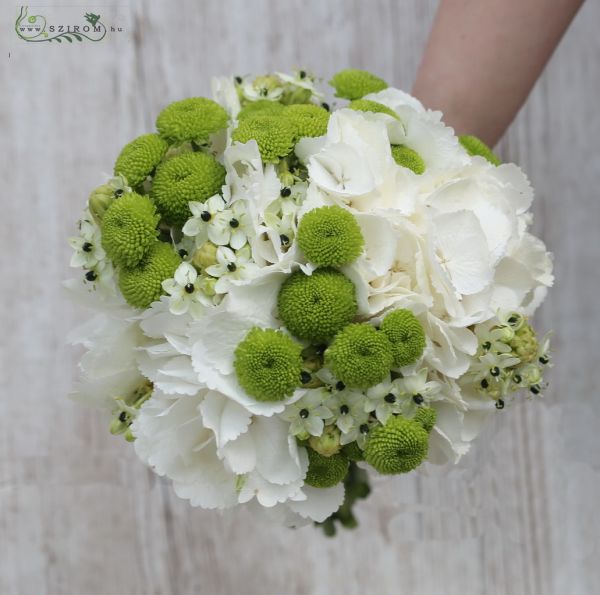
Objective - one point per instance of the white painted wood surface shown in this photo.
(79, 515)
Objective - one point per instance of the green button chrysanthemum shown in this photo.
(268, 364)
(398, 447)
(143, 285)
(406, 336)
(407, 157)
(273, 134)
(193, 119)
(262, 107)
(191, 176)
(330, 236)
(354, 84)
(360, 356)
(325, 472)
(139, 158)
(307, 119)
(474, 146)
(315, 307)
(426, 416)
(129, 229)
(367, 105)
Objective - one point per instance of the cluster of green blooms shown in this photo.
(277, 113)
(166, 170)
(509, 359)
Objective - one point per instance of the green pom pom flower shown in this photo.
(191, 176)
(129, 229)
(398, 447)
(325, 472)
(406, 157)
(474, 146)
(193, 119)
(262, 107)
(426, 416)
(315, 307)
(138, 158)
(354, 84)
(143, 285)
(360, 356)
(268, 364)
(330, 236)
(307, 119)
(406, 335)
(274, 136)
(367, 105)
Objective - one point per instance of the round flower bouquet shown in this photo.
(289, 296)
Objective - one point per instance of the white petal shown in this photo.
(226, 418)
(320, 502)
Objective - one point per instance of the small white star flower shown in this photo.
(383, 399)
(348, 409)
(232, 265)
(209, 221)
(185, 291)
(87, 245)
(307, 415)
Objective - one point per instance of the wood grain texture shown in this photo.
(79, 515)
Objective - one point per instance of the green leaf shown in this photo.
(77, 36)
(68, 38)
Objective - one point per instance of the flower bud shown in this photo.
(99, 200)
(328, 443)
(205, 256)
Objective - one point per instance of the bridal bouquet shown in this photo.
(288, 296)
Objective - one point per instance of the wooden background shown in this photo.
(79, 515)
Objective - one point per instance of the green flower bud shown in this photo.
(330, 236)
(129, 229)
(205, 255)
(406, 335)
(360, 356)
(314, 307)
(185, 178)
(406, 157)
(325, 472)
(398, 447)
(354, 84)
(268, 364)
(143, 285)
(100, 199)
(328, 443)
(474, 146)
(193, 119)
(139, 158)
(274, 136)
(367, 105)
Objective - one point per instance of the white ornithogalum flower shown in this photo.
(210, 220)
(348, 409)
(307, 415)
(185, 291)
(301, 79)
(232, 266)
(416, 390)
(269, 87)
(87, 246)
(383, 399)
